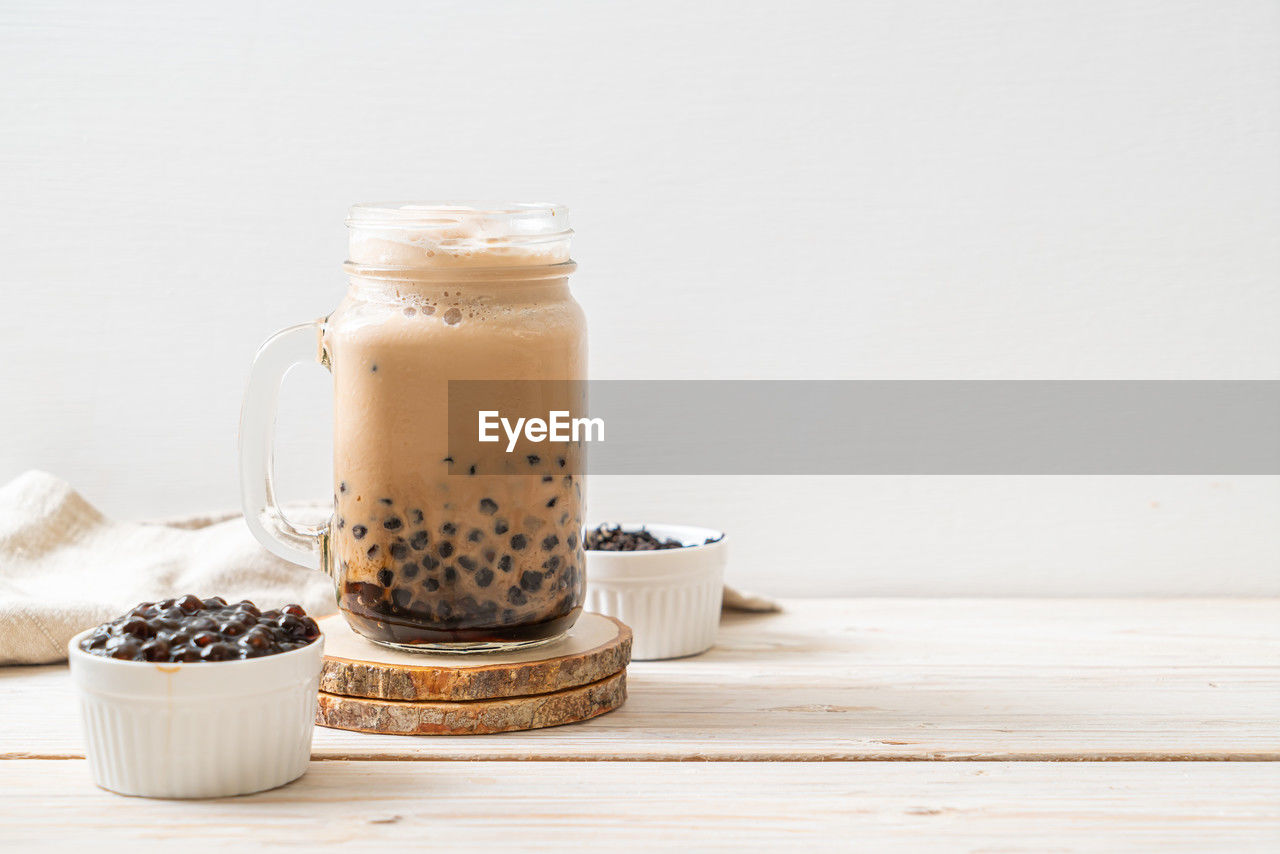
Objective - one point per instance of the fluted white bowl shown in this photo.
(197, 729)
(669, 597)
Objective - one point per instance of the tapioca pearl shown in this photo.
(202, 624)
(467, 562)
(416, 517)
(531, 581)
(385, 577)
(488, 506)
(409, 570)
(430, 585)
(445, 549)
(519, 541)
(342, 486)
(551, 502)
(358, 531)
(392, 523)
(341, 523)
(516, 596)
(490, 555)
(504, 563)
(373, 551)
(562, 462)
(572, 540)
(452, 317)
(484, 577)
(552, 563)
(444, 610)
(533, 459)
(546, 478)
(501, 526)
(399, 551)
(401, 597)
(475, 535)
(203, 639)
(387, 501)
(564, 518)
(550, 542)
(448, 529)
(450, 574)
(419, 540)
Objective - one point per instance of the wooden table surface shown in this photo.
(1008, 724)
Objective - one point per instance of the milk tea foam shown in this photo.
(425, 551)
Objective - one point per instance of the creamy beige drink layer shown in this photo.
(427, 552)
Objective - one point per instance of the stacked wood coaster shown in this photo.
(371, 688)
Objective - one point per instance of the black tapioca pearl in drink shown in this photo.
(450, 574)
(445, 549)
(393, 523)
(341, 523)
(448, 460)
(385, 577)
(358, 531)
(401, 597)
(342, 486)
(203, 639)
(519, 541)
(533, 459)
(546, 478)
(444, 610)
(415, 516)
(373, 551)
(504, 563)
(386, 501)
(501, 526)
(430, 585)
(430, 562)
(488, 506)
(550, 542)
(552, 563)
(552, 501)
(399, 551)
(490, 555)
(467, 562)
(561, 461)
(572, 540)
(531, 581)
(508, 616)
(564, 517)
(448, 529)
(516, 596)
(484, 577)
(409, 570)
(475, 535)
(419, 541)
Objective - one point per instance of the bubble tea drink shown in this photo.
(430, 552)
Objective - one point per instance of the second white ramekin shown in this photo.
(199, 729)
(669, 597)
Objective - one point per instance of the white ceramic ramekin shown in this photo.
(669, 597)
(199, 729)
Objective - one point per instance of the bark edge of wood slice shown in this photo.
(475, 717)
(595, 648)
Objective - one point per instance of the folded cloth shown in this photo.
(65, 567)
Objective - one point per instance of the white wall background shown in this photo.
(916, 189)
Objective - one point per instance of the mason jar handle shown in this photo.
(301, 544)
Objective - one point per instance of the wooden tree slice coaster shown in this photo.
(476, 717)
(595, 648)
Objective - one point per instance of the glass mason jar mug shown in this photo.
(427, 553)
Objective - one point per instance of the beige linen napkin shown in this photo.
(65, 567)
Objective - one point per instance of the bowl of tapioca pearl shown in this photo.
(198, 698)
(664, 581)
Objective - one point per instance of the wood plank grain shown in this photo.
(880, 679)
(549, 806)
